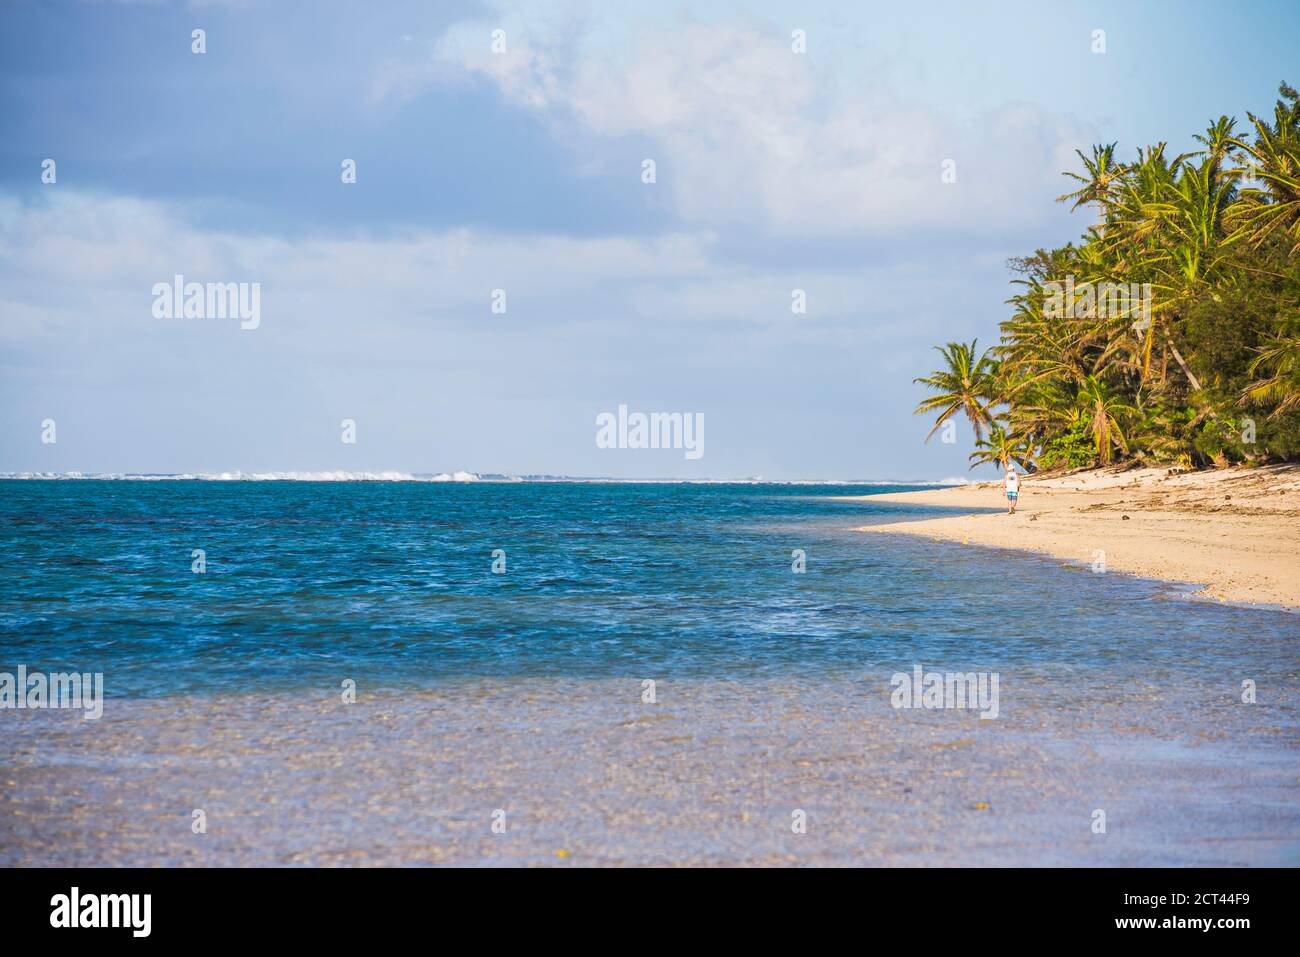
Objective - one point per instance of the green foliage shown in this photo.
(999, 448)
(964, 385)
(1071, 449)
(1207, 370)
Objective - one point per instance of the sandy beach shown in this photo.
(1236, 532)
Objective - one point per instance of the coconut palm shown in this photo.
(1106, 415)
(1280, 387)
(1216, 256)
(999, 448)
(1218, 140)
(1133, 198)
(1193, 244)
(1275, 156)
(966, 385)
(1103, 173)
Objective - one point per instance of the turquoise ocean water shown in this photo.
(393, 582)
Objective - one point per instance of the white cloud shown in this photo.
(110, 246)
(87, 263)
(747, 133)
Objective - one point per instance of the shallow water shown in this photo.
(394, 581)
(713, 772)
(522, 691)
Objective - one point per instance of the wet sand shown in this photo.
(1235, 532)
(588, 774)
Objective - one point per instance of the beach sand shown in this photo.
(1236, 532)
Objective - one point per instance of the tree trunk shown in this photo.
(1178, 357)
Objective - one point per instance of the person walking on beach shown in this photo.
(1011, 485)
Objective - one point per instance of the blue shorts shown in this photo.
(1012, 495)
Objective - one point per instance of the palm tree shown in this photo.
(999, 448)
(1276, 157)
(1218, 139)
(1281, 388)
(1102, 175)
(1192, 245)
(1216, 259)
(966, 385)
(1047, 408)
(1105, 413)
(1139, 186)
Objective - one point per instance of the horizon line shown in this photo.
(449, 478)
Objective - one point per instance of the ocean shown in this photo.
(530, 679)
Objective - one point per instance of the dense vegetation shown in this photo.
(1201, 364)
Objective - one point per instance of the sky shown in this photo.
(501, 273)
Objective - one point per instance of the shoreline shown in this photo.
(1233, 532)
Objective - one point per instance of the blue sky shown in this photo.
(522, 171)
